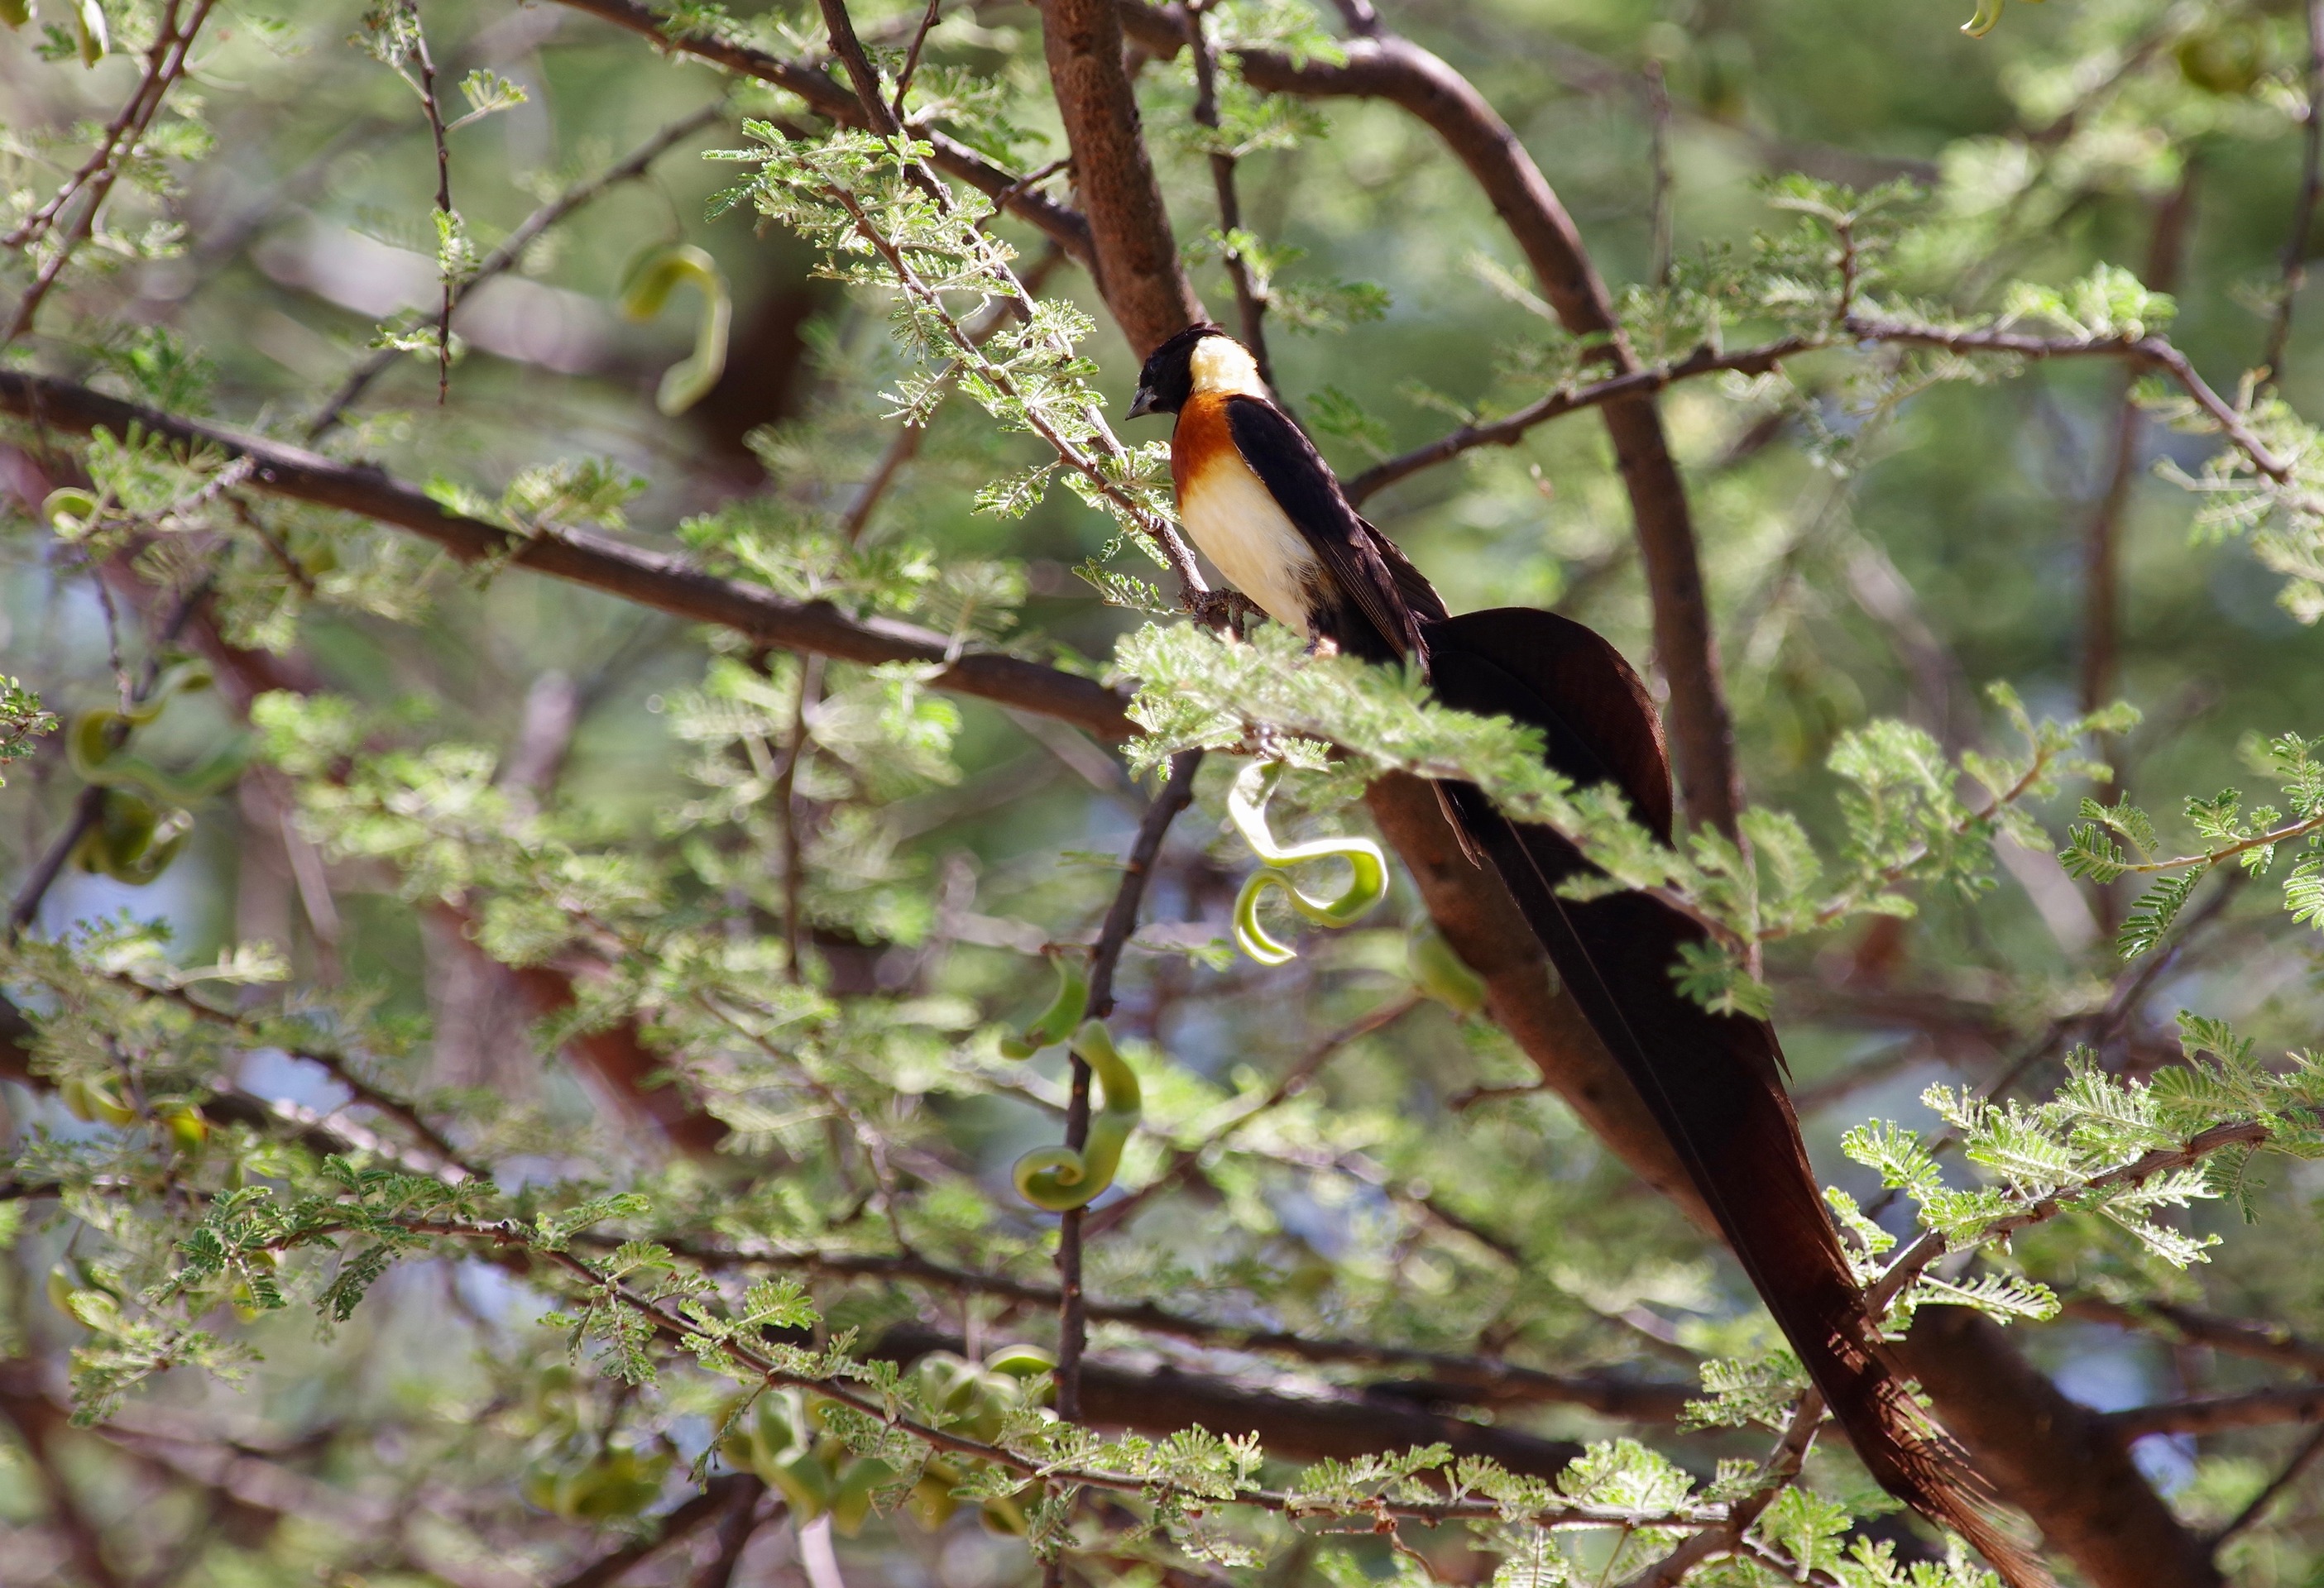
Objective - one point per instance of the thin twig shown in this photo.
(1137, 872)
(912, 57)
(2295, 268)
(2301, 1460)
(1193, 591)
(861, 74)
(339, 1067)
(1915, 1258)
(166, 62)
(682, 1333)
(911, 438)
(1781, 1470)
(1251, 307)
(1294, 1082)
(2102, 538)
(513, 250)
(1658, 106)
(1120, 921)
(2150, 351)
(787, 810)
(91, 805)
(445, 217)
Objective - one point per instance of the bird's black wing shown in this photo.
(1410, 583)
(1295, 474)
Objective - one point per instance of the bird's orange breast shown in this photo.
(1201, 442)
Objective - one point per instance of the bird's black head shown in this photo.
(1169, 377)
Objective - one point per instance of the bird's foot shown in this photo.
(1227, 610)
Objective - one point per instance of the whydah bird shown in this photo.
(1266, 509)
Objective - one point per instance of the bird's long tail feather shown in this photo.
(1713, 1082)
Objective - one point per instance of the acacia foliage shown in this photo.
(810, 901)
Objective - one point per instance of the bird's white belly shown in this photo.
(1236, 523)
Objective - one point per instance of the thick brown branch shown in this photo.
(2058, 1460)
(652, 579)
(1137, 267)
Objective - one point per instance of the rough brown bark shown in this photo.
(2062, 1462)
(1137, 258)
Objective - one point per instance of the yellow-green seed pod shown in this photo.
(1059, 1178)
(1367, 865)
(68, 509)
(1057, 1022)
(646, 287)
(187, 1126)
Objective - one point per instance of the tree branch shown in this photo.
(2293, 272)
(680, 1522)
(1251, 308)
(2291, 1473)
(165, 62)
(2238, 1336)
(2216, 1413)
(652, 579)
(512, 249)
(1305, 1426)
(2054, 1458)
(1512, 429)
(1136, 257)
(826, 99)
(1779, 1472)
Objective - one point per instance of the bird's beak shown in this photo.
(1142, 404)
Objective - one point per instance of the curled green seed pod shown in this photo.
(68, 509)
(1059, 1178)
(1441, 973)
(132, 840)
(1367, 865)
(647, 286)
(1057, 1022)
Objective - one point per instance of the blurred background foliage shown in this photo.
(283, 225)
